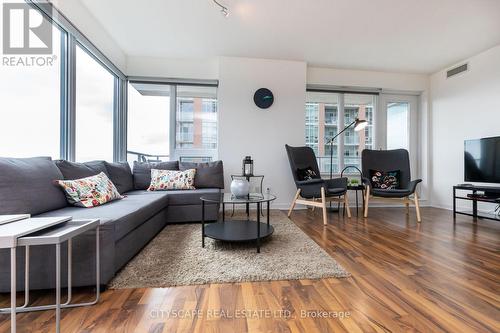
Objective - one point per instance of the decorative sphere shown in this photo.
(240, 188)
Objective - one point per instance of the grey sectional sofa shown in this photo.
(127, 225)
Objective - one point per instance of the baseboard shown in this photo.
(460, 208)
(286, 205)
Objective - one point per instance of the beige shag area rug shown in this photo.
(175, 257)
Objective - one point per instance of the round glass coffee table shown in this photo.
(237, 230)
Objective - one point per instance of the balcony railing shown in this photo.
(143, 157)
(324, 164)
(351, 141)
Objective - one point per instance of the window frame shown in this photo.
(72, 38)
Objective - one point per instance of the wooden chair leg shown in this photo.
(407, 204)
(346, 204)
(293, 202)
(367, 198)
(417, 207)
(323, 206)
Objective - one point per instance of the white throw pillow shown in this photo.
(162, 180)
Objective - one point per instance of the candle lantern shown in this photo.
(247, 169)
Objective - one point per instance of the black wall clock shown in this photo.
(263, 98)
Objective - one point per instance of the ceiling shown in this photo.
(389, 35)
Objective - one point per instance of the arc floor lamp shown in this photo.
(359, 124)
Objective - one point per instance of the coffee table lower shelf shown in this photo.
(238, 231)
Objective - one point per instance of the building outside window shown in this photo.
(322, 119)
(209, 124)
(312, 111)
(185, 123)
(196, 128)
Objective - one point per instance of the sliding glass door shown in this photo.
(399, 120)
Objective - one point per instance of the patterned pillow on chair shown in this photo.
(307, 174)
(162, 180)
(89, 191)
(385, 180)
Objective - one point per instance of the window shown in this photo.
(312, 110)
(31, 107)
(209, 125)
(94, 109)
(398, 125)
(331, 114)
(162, 127)
(209, 135)
(323, 113)
(357, 106)
(196, 122)
(148, 122)
(185, 123)
(69, 111)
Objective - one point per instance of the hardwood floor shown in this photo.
(436, 276)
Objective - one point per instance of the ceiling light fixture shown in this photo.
(223, 9)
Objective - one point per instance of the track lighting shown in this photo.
(223, 9)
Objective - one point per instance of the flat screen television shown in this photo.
(482, 160)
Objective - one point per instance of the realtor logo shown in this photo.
(25, 30)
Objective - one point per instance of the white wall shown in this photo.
(173, 68)
(244, 129)
(367, 79)
(81, 17)
(466, 106)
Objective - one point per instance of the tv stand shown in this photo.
(491, 195)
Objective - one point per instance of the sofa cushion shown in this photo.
(188, 197)
(74, 170)
(126, 214)
(121, 175)
(27, 186)
(208, 175)
(142, 172)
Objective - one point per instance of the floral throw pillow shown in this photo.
(89, 191)
(162, 180)
(307, 174)
(385, 180)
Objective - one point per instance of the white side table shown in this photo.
(54, 234)
(9, 234)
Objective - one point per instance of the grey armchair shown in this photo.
(390, 160)
(315, 192)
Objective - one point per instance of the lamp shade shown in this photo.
(360, 125)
